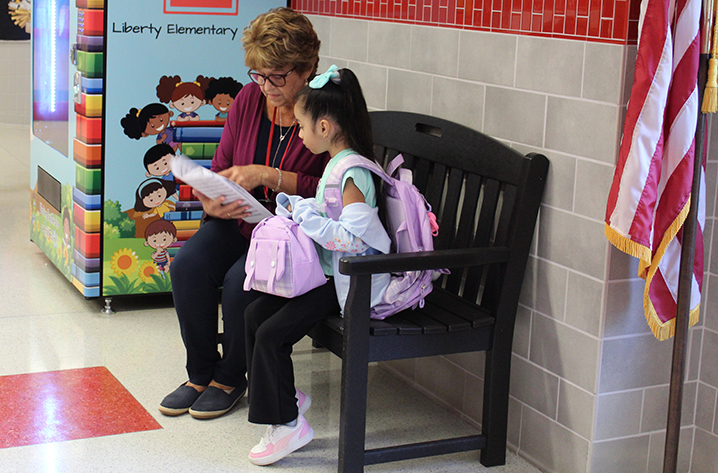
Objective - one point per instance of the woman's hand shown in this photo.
(218, 208)
(249, 177)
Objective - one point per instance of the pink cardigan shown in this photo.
(238, 145)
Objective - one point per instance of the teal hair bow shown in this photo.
(322, 79)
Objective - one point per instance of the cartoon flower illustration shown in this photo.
(147, 269)
(124, 262)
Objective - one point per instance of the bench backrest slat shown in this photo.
(471, 182)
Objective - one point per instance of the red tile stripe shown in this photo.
(603, 21)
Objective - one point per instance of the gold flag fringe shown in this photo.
(664, 330)
(648, 265)
(627, 245)
(710, 94)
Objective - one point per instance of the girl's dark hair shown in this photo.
(344, 104)
(135, 122)
(149, 186)
(223, 85)
(156, 153)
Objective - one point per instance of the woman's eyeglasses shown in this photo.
(277, 80)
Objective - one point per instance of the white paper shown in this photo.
(214, 186)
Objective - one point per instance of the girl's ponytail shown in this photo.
(337, 94)
(131, 125)
(358, 123)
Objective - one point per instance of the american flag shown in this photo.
(650, 196)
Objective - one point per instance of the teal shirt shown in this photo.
(362, 179)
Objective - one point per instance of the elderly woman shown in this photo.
(260, 150)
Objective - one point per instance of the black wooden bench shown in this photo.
(486, 197)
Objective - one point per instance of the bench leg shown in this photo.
(355, 369)
(352, 430)
(496, 407)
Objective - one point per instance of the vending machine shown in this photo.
(119, 88)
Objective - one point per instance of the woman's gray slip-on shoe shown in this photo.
(179, 401)
(215, 402)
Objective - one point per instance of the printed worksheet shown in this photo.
(214, 186)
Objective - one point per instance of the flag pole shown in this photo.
(682, 321)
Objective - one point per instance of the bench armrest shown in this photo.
(439, 259)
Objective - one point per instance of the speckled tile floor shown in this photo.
(47, 329)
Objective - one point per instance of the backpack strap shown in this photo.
(249, 266)
(394, 164)
(273, 262)
(333, 186)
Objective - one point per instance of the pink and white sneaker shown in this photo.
(281, 440)
(303, 402)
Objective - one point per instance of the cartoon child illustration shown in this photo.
(221, 94)
(152, 119)
(159, 235)
(186, 97)
(157, 163)
(151, 197)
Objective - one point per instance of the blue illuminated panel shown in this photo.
(51, 51)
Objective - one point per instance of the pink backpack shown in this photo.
(411, 227)
(281, 259)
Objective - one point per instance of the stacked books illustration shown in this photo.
(87, 147)
(198, 141)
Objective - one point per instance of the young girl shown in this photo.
(332, 116)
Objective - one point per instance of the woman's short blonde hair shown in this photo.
(281, 37)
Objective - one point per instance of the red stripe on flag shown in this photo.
(652, 37)
(642, 223)
(674, 197)
(661, 298)
(650, 193)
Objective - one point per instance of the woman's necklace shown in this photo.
(282, 135)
